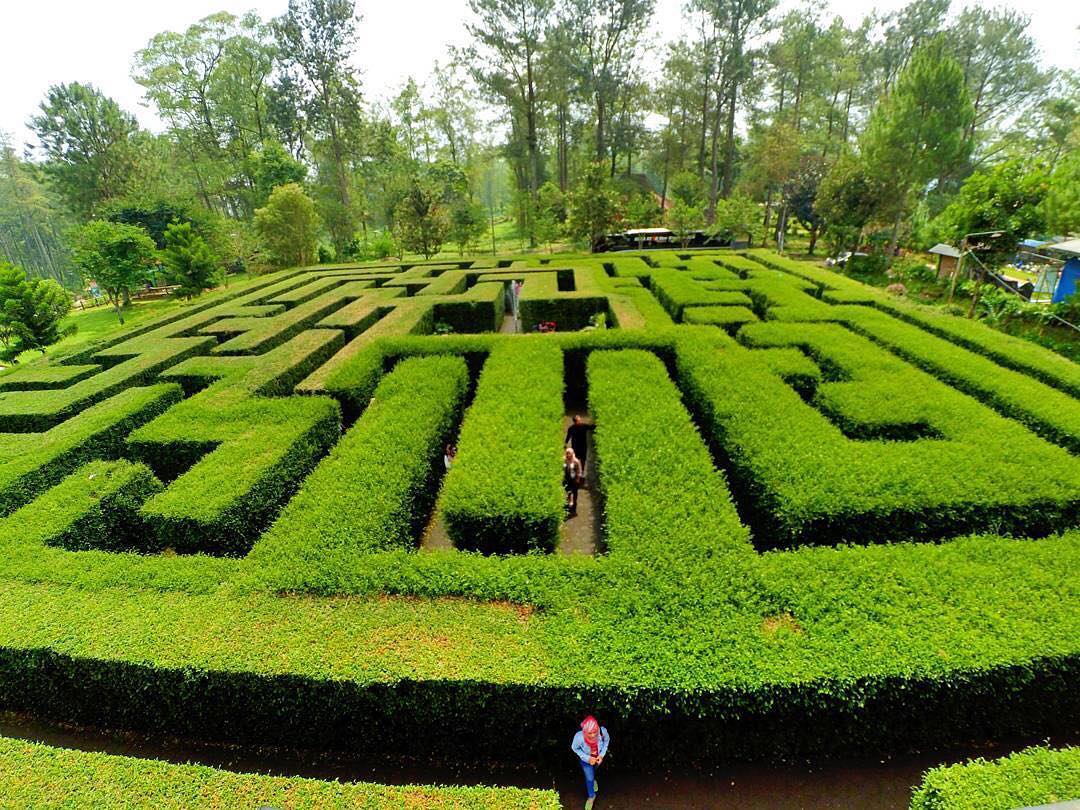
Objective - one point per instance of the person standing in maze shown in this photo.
(573, 472)
(577, 437)
(591, 745)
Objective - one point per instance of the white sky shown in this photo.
(52, 41)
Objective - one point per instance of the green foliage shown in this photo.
(551, 213)
(52, 778)
(847, 198)
(156, 214)
(272, 166)
(467, 224)
(688, 188)
(683, 220)
(735, 217)
(1034, 776)
(375, 488)
(288, 227)
(917, 132)
(1008, 197)
(643, 211)
(31, 311)
(189, 261)
(420, 219)
(594, 207)
(89, 142)
(115, 255)
(1062, 205)
(505, 496)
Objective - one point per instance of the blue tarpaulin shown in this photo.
(1069, 281)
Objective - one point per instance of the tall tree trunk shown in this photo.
(601, 149)
(729, 143)
(714, 185)
(768, 216)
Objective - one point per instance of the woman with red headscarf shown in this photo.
(591, 744)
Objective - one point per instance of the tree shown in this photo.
(1062, 205)
(1000, 62)
(270, 166)
(508, 38)
(550, 213)
(317, 38)
(594, 206)
(800, 193)
(210, 83)
(1007, 197)
(605, 33)
(421, 220)
(642, 211)
(189, 261)
(734, 217)
(846, 200)
(31, 310)
(467, 224)
(916, 133)
(683, 219)
(89, 147)
(32, 223)
(115, 255)
(288, 227)
(687, 187)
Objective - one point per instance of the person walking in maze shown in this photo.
(591, 745)
(577, 436)
(449, 456)
(572, 475)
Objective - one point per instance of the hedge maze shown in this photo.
(832, 520)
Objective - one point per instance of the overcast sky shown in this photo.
(52, 41)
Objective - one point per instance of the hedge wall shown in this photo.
(687, 644)
(823, 474)
(375, 488)
(32, 462)
(504, 494)
(41, 776)
(1034, 776)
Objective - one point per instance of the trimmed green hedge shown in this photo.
(504, 494)
(652, 464)
(41, 776)
(1034, 776)
(38, 411)
(686, 643)
(97, 506)
(30, 463)
(823, 474)
(236, 456)
(376, 487)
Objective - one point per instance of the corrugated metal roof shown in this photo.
(1072, 246)
(941, 249)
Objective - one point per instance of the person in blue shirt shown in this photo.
(591, 745)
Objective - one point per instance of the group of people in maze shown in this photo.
(575, 456)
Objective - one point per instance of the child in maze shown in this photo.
(591, 745)
(572, 475)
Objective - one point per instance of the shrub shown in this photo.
(504, 494)
(1034, 776)
(375, 488)
(288, 227)
(972, 478)
(35, 775)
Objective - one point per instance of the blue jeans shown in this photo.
(590, 777)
